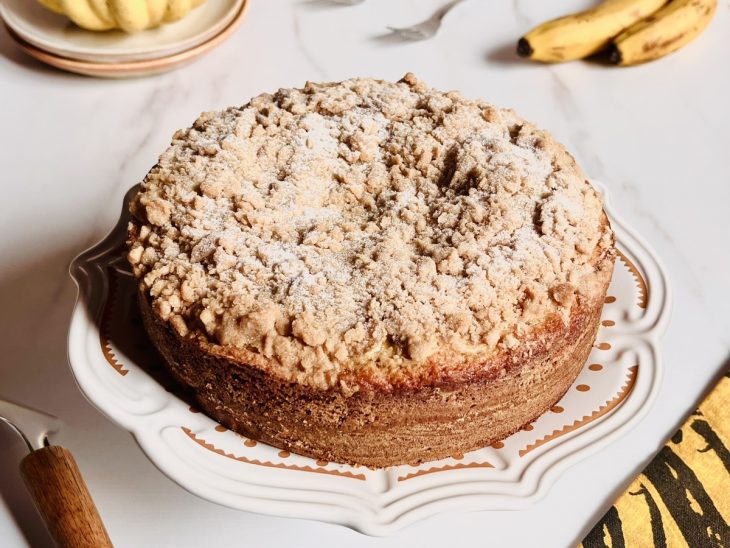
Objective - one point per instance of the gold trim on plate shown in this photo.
(106, 346)
(598, 413)
(641, 284)
(210, 447)
(444, 468)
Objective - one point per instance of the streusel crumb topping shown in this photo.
(363, 224)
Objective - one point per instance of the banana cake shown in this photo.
(370, 272)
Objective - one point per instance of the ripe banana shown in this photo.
(585, 33)
(667, 30)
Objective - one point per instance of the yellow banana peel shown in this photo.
(669, 29)
(582, 34)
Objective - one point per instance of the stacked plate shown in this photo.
(53, 39)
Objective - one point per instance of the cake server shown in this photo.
(54, 481)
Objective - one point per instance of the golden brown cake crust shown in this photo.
(388, 425)
(369, 272)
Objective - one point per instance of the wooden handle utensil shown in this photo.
(61, 496)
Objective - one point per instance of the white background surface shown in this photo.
(70, 147)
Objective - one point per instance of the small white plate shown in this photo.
(57, 35)
(116, 369)
(130, 69)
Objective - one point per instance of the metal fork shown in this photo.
(428, 28)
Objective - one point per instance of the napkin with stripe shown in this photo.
(682, 498)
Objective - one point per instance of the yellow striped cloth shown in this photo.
(683, 497)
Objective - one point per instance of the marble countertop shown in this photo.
(656, 135)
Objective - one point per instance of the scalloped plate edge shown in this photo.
(537, 477)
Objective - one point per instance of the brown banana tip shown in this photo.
(524, 49)
(614, 54)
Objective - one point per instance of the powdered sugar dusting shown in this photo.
(363, 225)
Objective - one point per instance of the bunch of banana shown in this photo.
(634, 31)
(128, 15)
